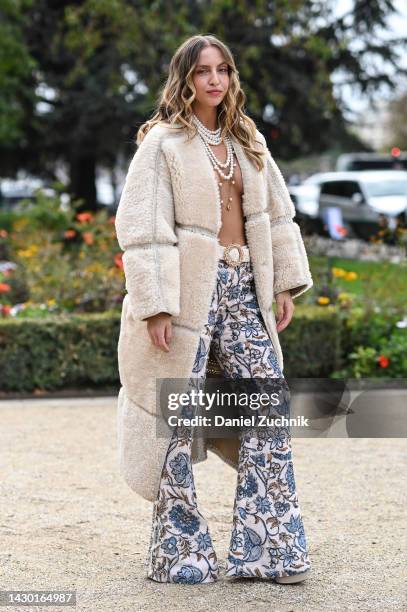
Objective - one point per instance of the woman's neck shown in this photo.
(207, 116)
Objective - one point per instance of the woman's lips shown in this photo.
(214, 93)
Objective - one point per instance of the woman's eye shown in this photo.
(202, 70)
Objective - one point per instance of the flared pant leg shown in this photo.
(181, 549)
(268, 538)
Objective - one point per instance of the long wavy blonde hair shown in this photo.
(175, 98)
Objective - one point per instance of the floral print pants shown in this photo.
(267, 537)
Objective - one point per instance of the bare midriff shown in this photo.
(232, 227)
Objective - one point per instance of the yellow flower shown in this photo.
(23, 253)
(28, 252)
(338, 271)
(323, 300)
(351, 276)
(51, 301)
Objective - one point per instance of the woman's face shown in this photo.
(211, 73)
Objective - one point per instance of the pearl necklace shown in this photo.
(212, 137)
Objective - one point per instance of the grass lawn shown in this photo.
(376, 280)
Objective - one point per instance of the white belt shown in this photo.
(234, 254)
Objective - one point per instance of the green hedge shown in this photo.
(59, 352)
(312, 342)
(78, 351)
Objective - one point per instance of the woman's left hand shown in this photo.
(285, 309)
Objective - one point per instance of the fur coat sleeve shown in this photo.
(290, 261)
(145, 232)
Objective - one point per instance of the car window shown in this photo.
(386, 188)
(343, 189)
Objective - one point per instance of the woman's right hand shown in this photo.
(159, 328)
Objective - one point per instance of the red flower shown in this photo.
(83, 217)
(69, 233)
(4, 287)
(383, 361)
(118, 260)
(342, 230)
(88, 237)
(5, 309)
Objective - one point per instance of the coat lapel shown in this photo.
(199, 200)
(253, 200)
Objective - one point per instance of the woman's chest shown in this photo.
(198, 188)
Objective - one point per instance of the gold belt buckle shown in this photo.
(229, 260)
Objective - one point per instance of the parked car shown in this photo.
(367, 199)
(13, 190)
(23, 187)
(394, 160)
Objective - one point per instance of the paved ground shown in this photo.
(68, 521)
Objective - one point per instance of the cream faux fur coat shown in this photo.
(167, 224)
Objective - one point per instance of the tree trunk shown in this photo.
(83, 181)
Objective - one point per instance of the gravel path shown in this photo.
(68, 521)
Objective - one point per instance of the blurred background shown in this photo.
(326, 84)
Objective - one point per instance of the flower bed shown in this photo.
(57, 265)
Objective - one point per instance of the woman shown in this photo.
(206, 225)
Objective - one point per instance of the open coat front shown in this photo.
(167, 224)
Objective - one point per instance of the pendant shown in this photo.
(228, 207)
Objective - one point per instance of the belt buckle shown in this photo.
(230, 261)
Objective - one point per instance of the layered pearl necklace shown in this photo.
(213, 137)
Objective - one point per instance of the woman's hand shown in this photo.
(159, 328)
(285, 309)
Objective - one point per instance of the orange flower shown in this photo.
(88, 237)
(83, 217)
(342, 230)
(4, 287)
(383, 361)
(118, 260)
(5, 309)
(70, 233)
(3, 233)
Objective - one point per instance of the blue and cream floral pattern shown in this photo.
(267, 536)
(181, 547)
